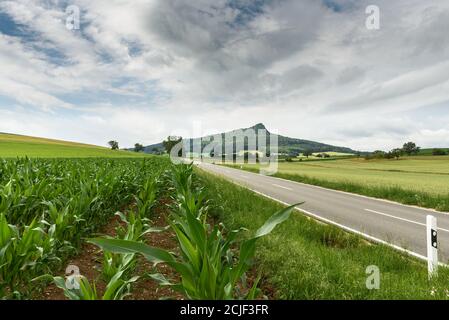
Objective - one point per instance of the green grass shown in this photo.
(429, 152)
(304, 259)
(12, 146)
(420, 180)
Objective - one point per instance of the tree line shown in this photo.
(409, 148)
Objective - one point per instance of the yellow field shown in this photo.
(425, 174)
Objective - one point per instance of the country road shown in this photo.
(399, 225)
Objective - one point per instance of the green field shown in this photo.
(50, 207)
(12, 146)
(420, 180)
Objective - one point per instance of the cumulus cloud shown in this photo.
(137, 71)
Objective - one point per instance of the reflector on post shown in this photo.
(432, 246)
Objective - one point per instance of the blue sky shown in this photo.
(138, 71)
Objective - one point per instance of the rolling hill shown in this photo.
(13, 145)
(286, 144)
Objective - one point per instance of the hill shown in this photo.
(13, 145)
(286, 144)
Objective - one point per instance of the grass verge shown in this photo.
(304, 259)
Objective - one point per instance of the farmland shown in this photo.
(117, 217)
(48, 207)
(391, 179)
(50, 210)
(12, 146)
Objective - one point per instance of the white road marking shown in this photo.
(403, 219)
(345, 192)
(276, 185)
(365, 235)
(243, 176)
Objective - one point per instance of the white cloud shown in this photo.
(139, 70)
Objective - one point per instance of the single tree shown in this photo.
(171, 142)
(410, 148)
(138, 147)
(113, 144)
(307, 153)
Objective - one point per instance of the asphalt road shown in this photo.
(399, 225)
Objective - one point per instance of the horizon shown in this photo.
(211, 134)
(311, 70)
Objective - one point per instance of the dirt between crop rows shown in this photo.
(145, 288)
(89, 263)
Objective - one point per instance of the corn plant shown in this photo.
(116, 289)
(134, 230)
(23, 254)
(52, 205)
(117, 268)
(146, 197)
(181, 177)
(207, 266)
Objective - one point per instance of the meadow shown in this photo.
(12, 146)
(419, 180)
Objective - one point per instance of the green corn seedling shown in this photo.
(206, 267)
(50, 206)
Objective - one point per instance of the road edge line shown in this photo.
(327, 221)
(344, 192)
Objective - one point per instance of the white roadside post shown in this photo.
(432, 246)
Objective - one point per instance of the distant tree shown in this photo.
(378, 154)
(307, 153)
(395, 153)
(323, 155)
(113, 144)
(439, 152)
(410, 148)
(171, 142)
(138, 147)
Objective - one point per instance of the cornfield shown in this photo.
(49, 208)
